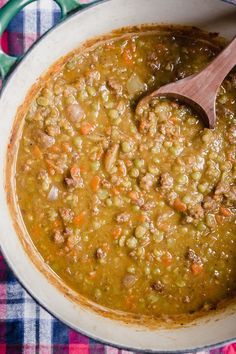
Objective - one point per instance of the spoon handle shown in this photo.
(213, 75)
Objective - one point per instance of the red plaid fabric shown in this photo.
(25, 327)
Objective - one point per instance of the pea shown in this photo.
(131, 270)
(126, 146)
(171, 242)
(153, 298)
(82, 95)
(94, 114)
(71, 64)
(42, 101)
(132, 242)
(167, 144)
(97, 293)
(223, 99)
(187, 199)
(203, 187)
(109, 202)
(109, 105)
(210, 220)
(95, 106)
(134, 172)
(139, 163)
(77, 141)
(201, 226)
(196, 176)
(158, 236)
(153, 169)
(183, 179)
(30, 217)
(157, 271)
(135, 208)
(147, 270)
(105, 96)
(118, 202)
(156, 160)
(140, 231)
(95, 165)
(155, 150)
(226, 166)
(192, 121)
(160, 203)
(175, 151)
(126, 183)
(140, 252)
(206, 137)
(102, 194)
(180, 283)
(91, 91)
(45, 185)
(122, 241)
(183, 229)
(57, 89)
(70, 100)
(113, 114)
(133, 129)
(213, 155)
(85, 238)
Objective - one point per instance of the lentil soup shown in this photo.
(134, 211)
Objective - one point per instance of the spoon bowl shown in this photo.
(199, 91)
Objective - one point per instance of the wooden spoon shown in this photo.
(199, 90)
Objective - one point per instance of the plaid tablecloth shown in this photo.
(25, 327)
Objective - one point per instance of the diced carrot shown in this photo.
(225, 211)
(95, 182)
(110, 45)
(163, 226)
(75, 171)
(196, 268)
(51, 166)
(142, 218)
(86, 128)
(122, 170)
(79, 219)
(51, 171)
(57, 223)
(127, 56)
(219, 218)
(66, 147)
(105, 246)
(128, 163)
(92, 275)
(115, 191)
(54, 148)
(133, 196)
(166, 259)
(37, 152)
(174, 120)
(99, 154)
(179, 205)
(82, 168)
(116, 232)
(36, 230)
(130, 300)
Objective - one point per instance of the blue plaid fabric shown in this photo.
(25, 327)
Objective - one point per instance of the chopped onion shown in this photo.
(53, 193)
(135, 84)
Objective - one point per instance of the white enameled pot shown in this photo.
(212, 15)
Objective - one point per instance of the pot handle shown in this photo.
(8, 11)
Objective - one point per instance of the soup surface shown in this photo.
(133, 211)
